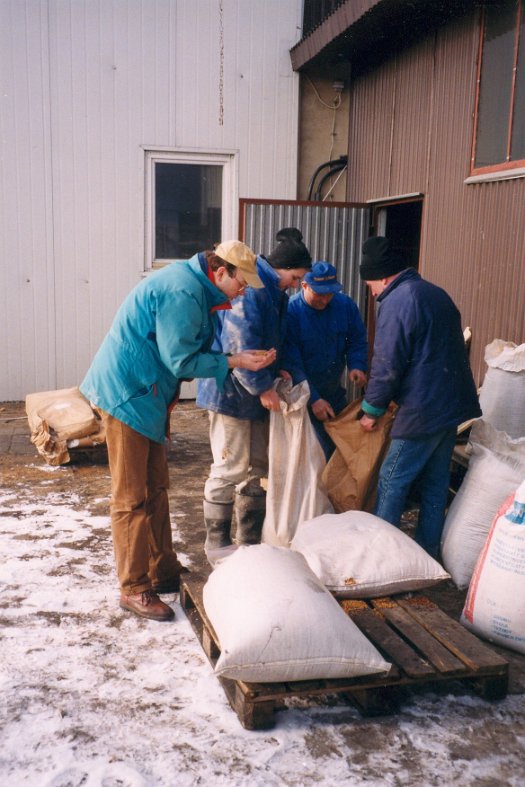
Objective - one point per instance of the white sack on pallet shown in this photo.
(276, 622)
(495, 604)
(359, 555)
(502, 395)
(496, 468)
(296, 463)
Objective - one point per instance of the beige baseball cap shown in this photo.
(237, 253)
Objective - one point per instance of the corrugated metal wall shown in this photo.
(410, 132)
(334, 232)
(86, 85)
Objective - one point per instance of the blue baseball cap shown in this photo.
(323, 278)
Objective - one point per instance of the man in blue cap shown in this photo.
(325, 334)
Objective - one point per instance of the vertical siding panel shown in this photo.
(332, 232)
(410, 137)
(87, 86)
(371, 107)
(473, 235)
(27, 352)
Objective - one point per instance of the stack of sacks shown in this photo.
(502, 395)
(275, 621)
(60, 420)
(496, 468)
(359, 555)
(495, 604)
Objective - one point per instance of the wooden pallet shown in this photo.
(423, 644)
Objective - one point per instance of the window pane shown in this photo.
(496, 84)
(187, 209)
(518, 121)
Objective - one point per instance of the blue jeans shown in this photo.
(428, 460)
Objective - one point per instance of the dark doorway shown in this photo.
(401, 222)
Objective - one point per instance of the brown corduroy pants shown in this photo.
(140, 520)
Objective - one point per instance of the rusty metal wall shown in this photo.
(333, 232)
(411, 132)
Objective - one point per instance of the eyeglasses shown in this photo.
(241, 281)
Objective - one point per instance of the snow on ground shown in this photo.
(95, 697)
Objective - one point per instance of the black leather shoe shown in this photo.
(170, 585)
(146, 605)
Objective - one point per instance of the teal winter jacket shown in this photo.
(161, 335)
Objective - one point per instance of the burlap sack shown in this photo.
(350, 477)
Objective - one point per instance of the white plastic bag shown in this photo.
(276, 622)
(502, 395)
(496, 468)
(359, 555)
(495, 604)
(296, 462)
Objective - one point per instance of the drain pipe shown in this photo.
(340, 165)
(332, 163)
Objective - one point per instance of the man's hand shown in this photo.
(368, 423)
(285, 375)
(252, 359)
(322, 410)
(358, 377)
(270, 400)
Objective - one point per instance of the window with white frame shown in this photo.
(499, 142)
(191, 203)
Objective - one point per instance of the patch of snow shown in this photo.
(95, 697)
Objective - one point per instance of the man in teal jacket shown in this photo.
(161, 335)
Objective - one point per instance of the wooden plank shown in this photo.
(391, 645)
(380, 701)
(193, 587)
(456, 638)
(252, 715)
(444, 661)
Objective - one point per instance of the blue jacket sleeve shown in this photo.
(357, 354)
(293, 360)
(244, 329)
(393, 347)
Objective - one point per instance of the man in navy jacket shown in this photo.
(324, 335)
(420, 363)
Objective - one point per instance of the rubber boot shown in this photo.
(218, 521)
(249, 513)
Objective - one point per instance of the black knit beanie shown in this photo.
(379, 261)
(290, 251)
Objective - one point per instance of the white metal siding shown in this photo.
(87, 85)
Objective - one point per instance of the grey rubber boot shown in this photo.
(218, 521)
(249, 513)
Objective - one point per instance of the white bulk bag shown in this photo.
(502, 395)
(495, 604)
(496, 468)
(359, 555)
(276, 622)
(296, 462)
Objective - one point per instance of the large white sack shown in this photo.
(495, 604)
(502, 395)
(359, 555)
(276, 622)
(296, 462)
(496, 468)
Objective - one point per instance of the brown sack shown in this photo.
(350, 477)
(57, 417)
